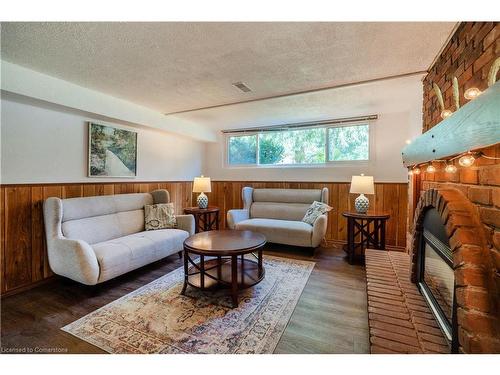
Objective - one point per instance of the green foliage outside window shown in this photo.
(292, 147)
(348, 143)
(243, 149)
(302, 146)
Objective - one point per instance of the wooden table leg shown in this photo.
(202, 272)
(382, 236)
(234, 280)
(350, 239)
(219, 268)
(196, 223)
(217, 220)
(242, 269)
(186, 276)
(259, 262)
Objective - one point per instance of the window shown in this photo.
(305, 146)
(243, 149)
(311, 145)
(348, 143)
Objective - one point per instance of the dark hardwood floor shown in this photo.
(331, 315)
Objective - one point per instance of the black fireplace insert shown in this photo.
(435, 275)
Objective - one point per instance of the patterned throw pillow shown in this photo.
(159, 216)
(317, 209)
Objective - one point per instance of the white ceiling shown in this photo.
(172, 67)
(389, 96)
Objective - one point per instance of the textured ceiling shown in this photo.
(173, 67)
(401, 95)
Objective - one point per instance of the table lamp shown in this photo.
(362, 185)
(202, 185)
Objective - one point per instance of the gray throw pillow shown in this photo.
(317, 209)
(159, 216)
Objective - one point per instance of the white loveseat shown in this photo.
(94, 239)
(278, 213)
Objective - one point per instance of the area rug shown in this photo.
(157, 319)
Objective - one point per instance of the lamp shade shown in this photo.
(202, 185)
(362, 185)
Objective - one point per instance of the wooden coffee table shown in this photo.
(222, 260)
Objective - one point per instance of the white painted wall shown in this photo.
(398, 102)
(48, 143)
(26, 82)
(42, 143)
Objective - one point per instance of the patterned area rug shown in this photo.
(157, 319)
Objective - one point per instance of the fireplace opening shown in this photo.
(435, 275)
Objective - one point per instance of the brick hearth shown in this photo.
(400, 320)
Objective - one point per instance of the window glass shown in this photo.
(305, 146)
(243, 149)
(348, 143)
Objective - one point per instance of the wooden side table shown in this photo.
(370, 228)
(205, 219)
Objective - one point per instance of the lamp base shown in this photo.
(202, 200)
(361, 204)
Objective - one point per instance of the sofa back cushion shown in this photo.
(280, 211)
(98, 219)
(306, 196)
(283, 204)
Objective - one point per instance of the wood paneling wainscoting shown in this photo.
(24, 260)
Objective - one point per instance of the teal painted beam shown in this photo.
(475, 125)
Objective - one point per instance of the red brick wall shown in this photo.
(476, 279)
(467, 56)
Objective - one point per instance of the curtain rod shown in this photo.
(299, 125)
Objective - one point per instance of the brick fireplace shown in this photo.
(447, 291)
(468, 201)
(477, 284)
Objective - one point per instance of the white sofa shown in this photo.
(278, 213)
(94, 239)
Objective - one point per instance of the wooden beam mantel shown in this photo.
(475, 125)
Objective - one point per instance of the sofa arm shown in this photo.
(319, 230)
(185, 222)
(235, 216)
(74, 259)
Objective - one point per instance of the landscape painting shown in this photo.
(112, 151)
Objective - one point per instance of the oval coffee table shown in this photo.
(222, 260)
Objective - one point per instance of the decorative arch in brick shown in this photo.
(477, 294)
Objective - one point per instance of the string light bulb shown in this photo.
(450, 168)
(446, 113)
(472, 93)
(410, 172)
(430, 169)
(416, 170)
(466, 160)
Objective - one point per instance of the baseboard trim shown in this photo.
(24, 288)
(387, 247)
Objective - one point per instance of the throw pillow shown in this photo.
(159, 216)
(317, 209)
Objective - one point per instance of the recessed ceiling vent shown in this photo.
(242, 86)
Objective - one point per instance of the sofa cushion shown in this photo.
(316, 210)
(124, 254)
(103, 228)
(281, 211)
(78, 208)
(159, 216)
(287, 195)
(280, 231)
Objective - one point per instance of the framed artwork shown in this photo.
(112, 151)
